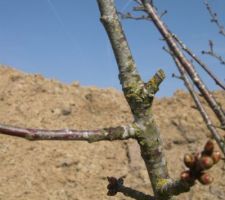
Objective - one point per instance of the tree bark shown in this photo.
(139, 96)
(113, 133)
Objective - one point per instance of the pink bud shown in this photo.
(186, 176)
(189, 160)
(209, 147)
(216, 156)
(205, 162)
(205, 179)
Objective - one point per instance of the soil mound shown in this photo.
(71, 170)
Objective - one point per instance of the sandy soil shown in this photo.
(70, 170)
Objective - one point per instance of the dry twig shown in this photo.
(184, 62)
(128, 15)
(220, 141)
(212, 53)
(201, 63)
(214, 18)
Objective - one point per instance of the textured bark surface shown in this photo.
(126, 64)
(113, 133)
(139, 97)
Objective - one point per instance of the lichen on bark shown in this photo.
(139, 96)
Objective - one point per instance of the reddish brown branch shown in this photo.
(220, 141)
(184, 62)
(116, 133)
(202, 64)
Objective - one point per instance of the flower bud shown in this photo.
(205, 179)
(216, 156)
(186, 176)
(189, 160)
(209, 147)
(205, 162)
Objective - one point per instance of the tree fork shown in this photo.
(139, 96)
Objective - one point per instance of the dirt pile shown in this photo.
(69, 170)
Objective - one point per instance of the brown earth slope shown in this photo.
(70, 170)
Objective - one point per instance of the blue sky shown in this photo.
(64, 40)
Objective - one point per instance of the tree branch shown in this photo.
(220, 141)
(212, 53)
(130, 16)
(115, 133)
(128, 73)
(176, 187)
(116, 185)
(197, 164)
(202, 64)
(138, 2)
(214, 18)
(153, 84)
(184, 62)
(138, 97)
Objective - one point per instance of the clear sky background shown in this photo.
(64, 40)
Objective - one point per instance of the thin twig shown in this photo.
(128, 15)
(212, 53)
(214, 18)
(138, 8)
(138, 2)
(184, 62)
(116, 185)
(176, 76)
(220, 141)
(201, 63)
